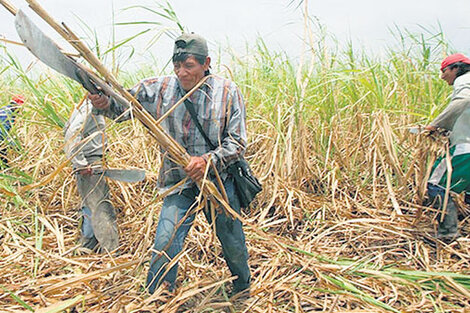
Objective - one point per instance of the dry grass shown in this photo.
(340, 235)
(339, 227)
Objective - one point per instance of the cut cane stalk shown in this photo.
(166, 142)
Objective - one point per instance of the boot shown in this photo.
(448, 228)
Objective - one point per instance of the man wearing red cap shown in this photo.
(7, 118)
(455, 119)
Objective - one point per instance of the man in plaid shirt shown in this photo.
(221, 112)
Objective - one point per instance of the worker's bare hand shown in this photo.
(196, 168)
(435, 132)
(100, 102)
(430, 128)
(429, 131)
(86, 171)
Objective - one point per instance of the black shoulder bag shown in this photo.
(247, 185)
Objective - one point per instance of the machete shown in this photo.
(49, 53)
(125, 175)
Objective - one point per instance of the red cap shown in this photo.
(18, 99)
(454, 58)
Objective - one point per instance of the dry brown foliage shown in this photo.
(348, 215)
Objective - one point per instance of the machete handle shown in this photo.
(87, 82)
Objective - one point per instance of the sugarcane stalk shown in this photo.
(178, 152)
(166, 141)
(10, 7)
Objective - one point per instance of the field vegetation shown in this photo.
(339, 227)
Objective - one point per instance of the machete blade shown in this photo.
(125, 175)
(49, 53)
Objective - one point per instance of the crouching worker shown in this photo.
(456, 119)
(7, 118)
(85, 142)
(220, 110)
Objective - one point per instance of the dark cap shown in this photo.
(191, 44)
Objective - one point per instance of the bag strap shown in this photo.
(190, 107)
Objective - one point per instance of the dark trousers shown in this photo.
(3, 157)
(449, 224)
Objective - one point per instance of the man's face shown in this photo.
(449, 75)
(190, 71)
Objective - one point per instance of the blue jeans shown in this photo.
(87, 238)
(170, 238)
(87, 229)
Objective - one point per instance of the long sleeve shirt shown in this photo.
(85, 139)
(456, 115)
(221, 112)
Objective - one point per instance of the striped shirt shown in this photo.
(221, 112)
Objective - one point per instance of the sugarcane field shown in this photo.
(124, 186)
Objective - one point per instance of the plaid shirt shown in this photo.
(220, 110)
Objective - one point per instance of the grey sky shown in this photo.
(366, 22)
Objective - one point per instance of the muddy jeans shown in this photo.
(169, 240)
(94, 191)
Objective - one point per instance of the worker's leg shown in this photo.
(95, 194)
(88, 239)
(3, 156)
(448, 227)
(232, 238)
(169, 238)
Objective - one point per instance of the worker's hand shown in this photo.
(196, 168)
(429, 131)
(436, 132)
(430, 128)
(86, 171)
(100, 102)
